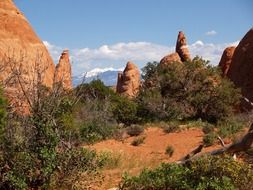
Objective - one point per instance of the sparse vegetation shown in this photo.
(138, 141)
(135, 130)
(209, 139)
(169, 150)
(171, 128)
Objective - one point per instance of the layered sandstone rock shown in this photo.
(21, 49)
(226, 59)
(241, 68)
(63, 73)
(182, 53)
(129, 81)
(181, 47)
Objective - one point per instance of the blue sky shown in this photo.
(98, 32)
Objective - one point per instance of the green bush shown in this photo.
(34, 152)
(207, 172)
(95, 131)
(125, 110)
(190, 90)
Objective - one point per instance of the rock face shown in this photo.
(181, 47)
(63, 71)
(226, 59)
(21, 48)
(129, 81)
(241, 69)
(182, 53)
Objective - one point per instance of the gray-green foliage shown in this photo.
(33, 150)
(213, 173)
(193, 89)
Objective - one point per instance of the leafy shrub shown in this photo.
(209, 139)
(135, 130)
(138, 141)
(207, 172)
(125, 110)
(95, 131)
(169, 150)
(190, 90)
(34, 152)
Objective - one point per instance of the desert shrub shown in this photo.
(229, 127)
(34, 150)
(138, 141)
(209, 139)
(94, 90)
(135, 130)
(190, 90)
(109, 159)
(208, 128)
(171, 128)
(91, 132)
(72, 163)
(207, 172)
(125, 110)
(169, 150)
(93, 115)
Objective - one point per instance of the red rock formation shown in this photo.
(181, 47)
(241, 69)
(21, 47)
(226, 59)
(129, 81)
(182, 53)
(63, 71)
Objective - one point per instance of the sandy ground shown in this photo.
(149, 154)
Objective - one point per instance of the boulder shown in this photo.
(226, 59)
(128, 83)
(63, 73)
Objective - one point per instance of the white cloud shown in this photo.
(211, 33)
(117, 55)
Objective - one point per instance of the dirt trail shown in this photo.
(149, 154)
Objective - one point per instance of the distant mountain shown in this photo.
(107, 75)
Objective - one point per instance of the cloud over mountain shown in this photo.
(116, 55)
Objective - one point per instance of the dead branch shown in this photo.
(241, 146)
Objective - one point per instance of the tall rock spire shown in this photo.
(129, 81)
(182, 53)
(181, 47)
(63, 71)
